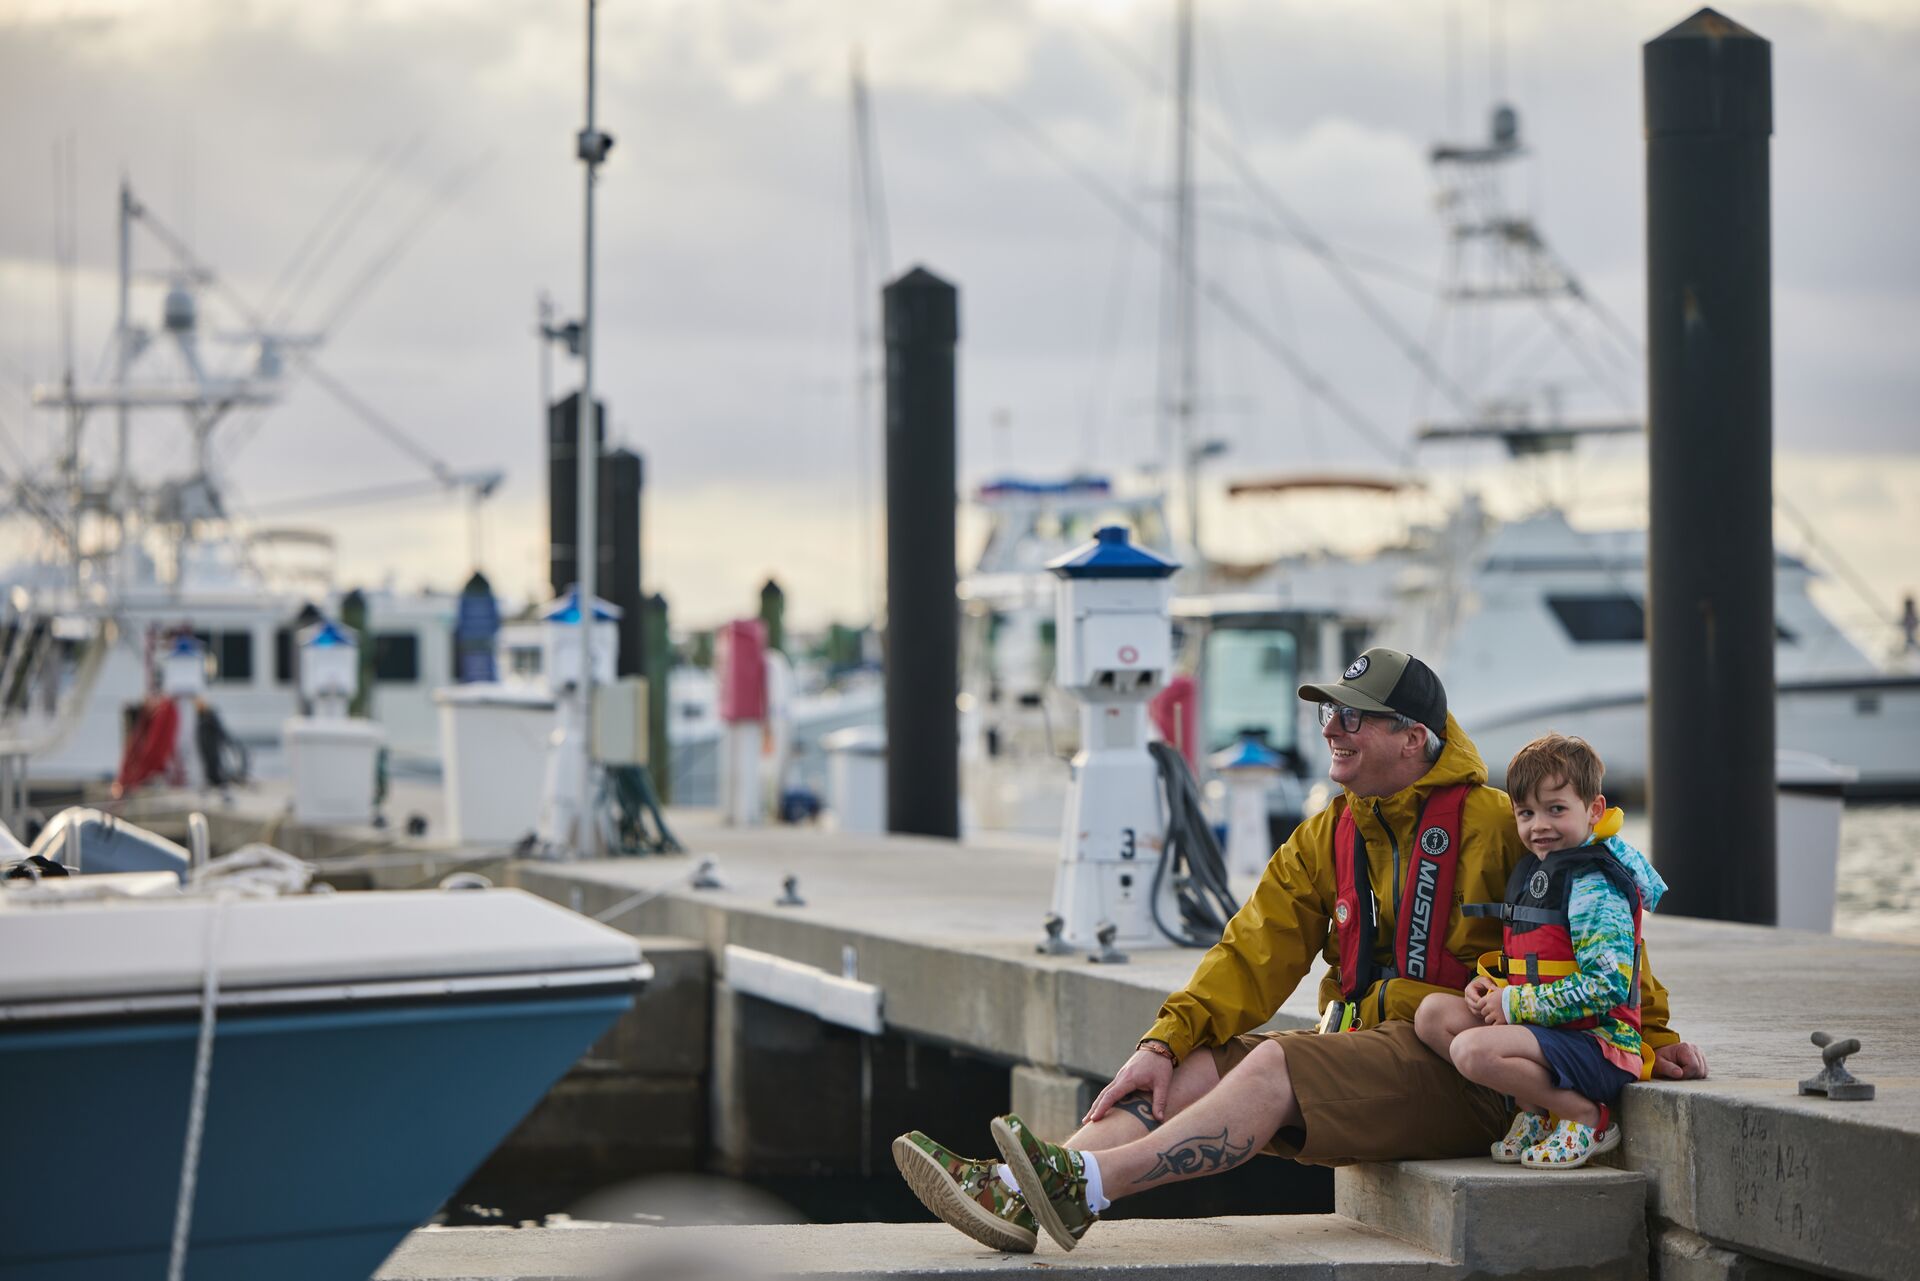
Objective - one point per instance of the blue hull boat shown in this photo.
(341, 1108)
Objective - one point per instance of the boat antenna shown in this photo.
(66, 236)
(1179, 358)
(872, 257)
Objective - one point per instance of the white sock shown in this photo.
(1096, 1188)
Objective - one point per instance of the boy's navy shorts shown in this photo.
(1577, 1064)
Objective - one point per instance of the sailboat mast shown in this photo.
(1186, 277)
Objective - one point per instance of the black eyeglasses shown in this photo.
(1350, 717)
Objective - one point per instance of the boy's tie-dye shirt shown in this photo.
(1600, 920)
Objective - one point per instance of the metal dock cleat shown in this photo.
(1834, 1080)
(1105, 953)
(1053, 944)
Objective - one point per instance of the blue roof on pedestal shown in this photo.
(565, 608)
(186, 644)
(1111, 554)
(1248, 753)
(326, 634)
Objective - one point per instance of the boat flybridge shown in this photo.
(121, 562)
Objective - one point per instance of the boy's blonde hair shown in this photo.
(1551, 759)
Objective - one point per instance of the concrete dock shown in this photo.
(1735, 1176)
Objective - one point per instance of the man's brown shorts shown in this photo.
(1377, 1094)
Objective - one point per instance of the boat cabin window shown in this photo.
(232, 655)
(524, 660)
(1592, 619)
(396, 657)
(1250, 681)
(1614, 617)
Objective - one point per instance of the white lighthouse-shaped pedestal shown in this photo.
(563, 807)
(1114, 646)
(183, 678)
(333, 759)
(1248, 768)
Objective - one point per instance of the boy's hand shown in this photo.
(1483, 998)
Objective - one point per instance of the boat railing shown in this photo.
(21, 671)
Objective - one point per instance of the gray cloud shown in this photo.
(725, 348)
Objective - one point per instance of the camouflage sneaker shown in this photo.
(966, 1194)
(1053, 1178)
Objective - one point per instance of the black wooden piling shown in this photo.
(923, 618)
(1709, 117)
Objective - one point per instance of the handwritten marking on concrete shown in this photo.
(1771, 1174)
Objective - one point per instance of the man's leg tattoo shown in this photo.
(1204, 1155)
(1140, 1108)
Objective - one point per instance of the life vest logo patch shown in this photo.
(1357, 669)
(1434, 841)
(1537, 884)
(1341, 911)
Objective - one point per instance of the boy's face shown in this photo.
(1555, 818)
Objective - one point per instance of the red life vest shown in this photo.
(1536, 938)
(1426, 903)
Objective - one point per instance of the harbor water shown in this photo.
(1877, 882)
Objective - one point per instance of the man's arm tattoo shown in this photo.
(1140, 1108)
(1204, 1155)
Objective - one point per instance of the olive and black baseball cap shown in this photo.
(1386, 680)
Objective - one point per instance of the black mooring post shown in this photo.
(1710, 776)
(923, 613)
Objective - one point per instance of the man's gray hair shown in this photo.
(1434, 743)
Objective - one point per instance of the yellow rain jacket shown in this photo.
(1269, 944)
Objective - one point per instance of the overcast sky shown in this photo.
(726, 348)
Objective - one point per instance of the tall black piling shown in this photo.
(563, 488)
(1709, 117)
(617, 572)
(923, 614)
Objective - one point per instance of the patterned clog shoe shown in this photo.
(1053, 1179)
(1528, 1128)
(967, 1194)
(1570, 1145)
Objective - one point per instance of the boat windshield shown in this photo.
(1251, 680)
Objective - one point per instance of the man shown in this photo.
(1374, 882)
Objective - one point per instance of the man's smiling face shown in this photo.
(1366, 761)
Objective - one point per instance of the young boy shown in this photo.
(1554, 1017)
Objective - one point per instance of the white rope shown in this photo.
(703, 872)
(254, 870)
(197, 1105)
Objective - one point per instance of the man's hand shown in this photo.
(1681, 1061)
(1146, 1072)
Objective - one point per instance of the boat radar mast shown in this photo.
(1497, 256)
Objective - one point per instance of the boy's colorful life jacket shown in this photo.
(1419, 948)
(1537, 943)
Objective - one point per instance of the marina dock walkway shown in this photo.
(947, 931)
